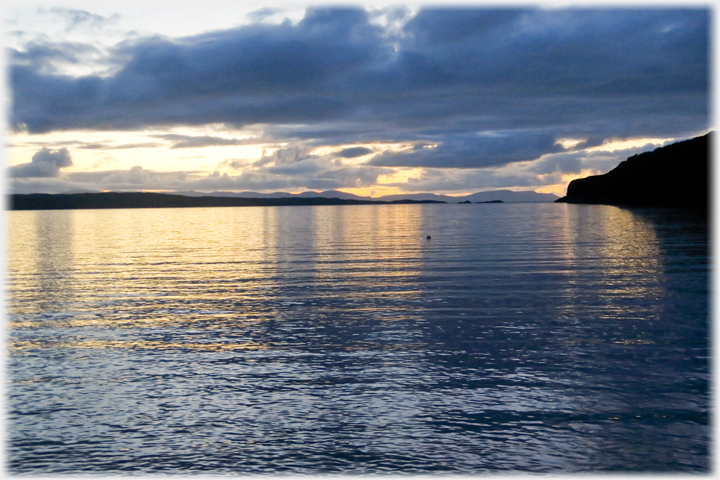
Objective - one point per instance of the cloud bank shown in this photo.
(45, 163)
(462, 88)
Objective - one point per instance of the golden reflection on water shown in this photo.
(224, 268)
(341, 247)
(227, 268)
(623, 251)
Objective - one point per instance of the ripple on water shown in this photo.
(338, 340)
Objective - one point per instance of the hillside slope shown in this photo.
(676, 175)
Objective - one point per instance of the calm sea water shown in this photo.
(338, 339)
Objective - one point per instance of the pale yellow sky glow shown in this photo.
(152, 149)
(614, 145)
(569, 142)
(401, 176)
(93, 151)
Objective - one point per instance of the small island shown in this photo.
(676, 175)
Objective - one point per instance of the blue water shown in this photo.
(521, 338)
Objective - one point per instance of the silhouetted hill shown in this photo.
(66, 201)
(676, 175)
(504, 195)
(480, 197)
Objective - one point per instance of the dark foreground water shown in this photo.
(337, 339)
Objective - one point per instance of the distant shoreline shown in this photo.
(109, 200)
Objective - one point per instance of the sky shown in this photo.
(370, 99)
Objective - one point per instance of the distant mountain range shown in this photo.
(62, 201)
(676, 175)
(506, 196)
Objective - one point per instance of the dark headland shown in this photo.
(676, 175)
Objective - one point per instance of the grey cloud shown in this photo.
(134, 145)
(472, 151)
(137, 175)
(45, 163)
(309, 174)
(233, 163)
(353, 152)
(46, 185)
(435, 27)
(136, 178)
(559, 163)
(48, 58)
(302, 167)
(336, 76)
(188, 141)
(122, 146)
(90, 146)
(285, 156)
(439, 180)
(349, 177)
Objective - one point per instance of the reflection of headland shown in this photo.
(610, 253)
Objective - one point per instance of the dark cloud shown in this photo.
(48, 57)
(441, 180)
(45, 163)
(560, 163)
(353, 152)
(536, 75)
(472, 151)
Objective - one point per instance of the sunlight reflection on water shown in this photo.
(521, 338)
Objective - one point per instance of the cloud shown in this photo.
(233, 163)
(46, 185)
(262, 14)
(293, 169)
(51, 57)
(286, 156)
(310, 173)
(472, 151)
(189, 141)
(354, 152)
(45, 163)
(75, 18)
(479, 89)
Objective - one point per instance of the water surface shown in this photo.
(338, 339)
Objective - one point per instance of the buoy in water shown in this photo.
(428, 237)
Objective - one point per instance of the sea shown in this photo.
(473, 339)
